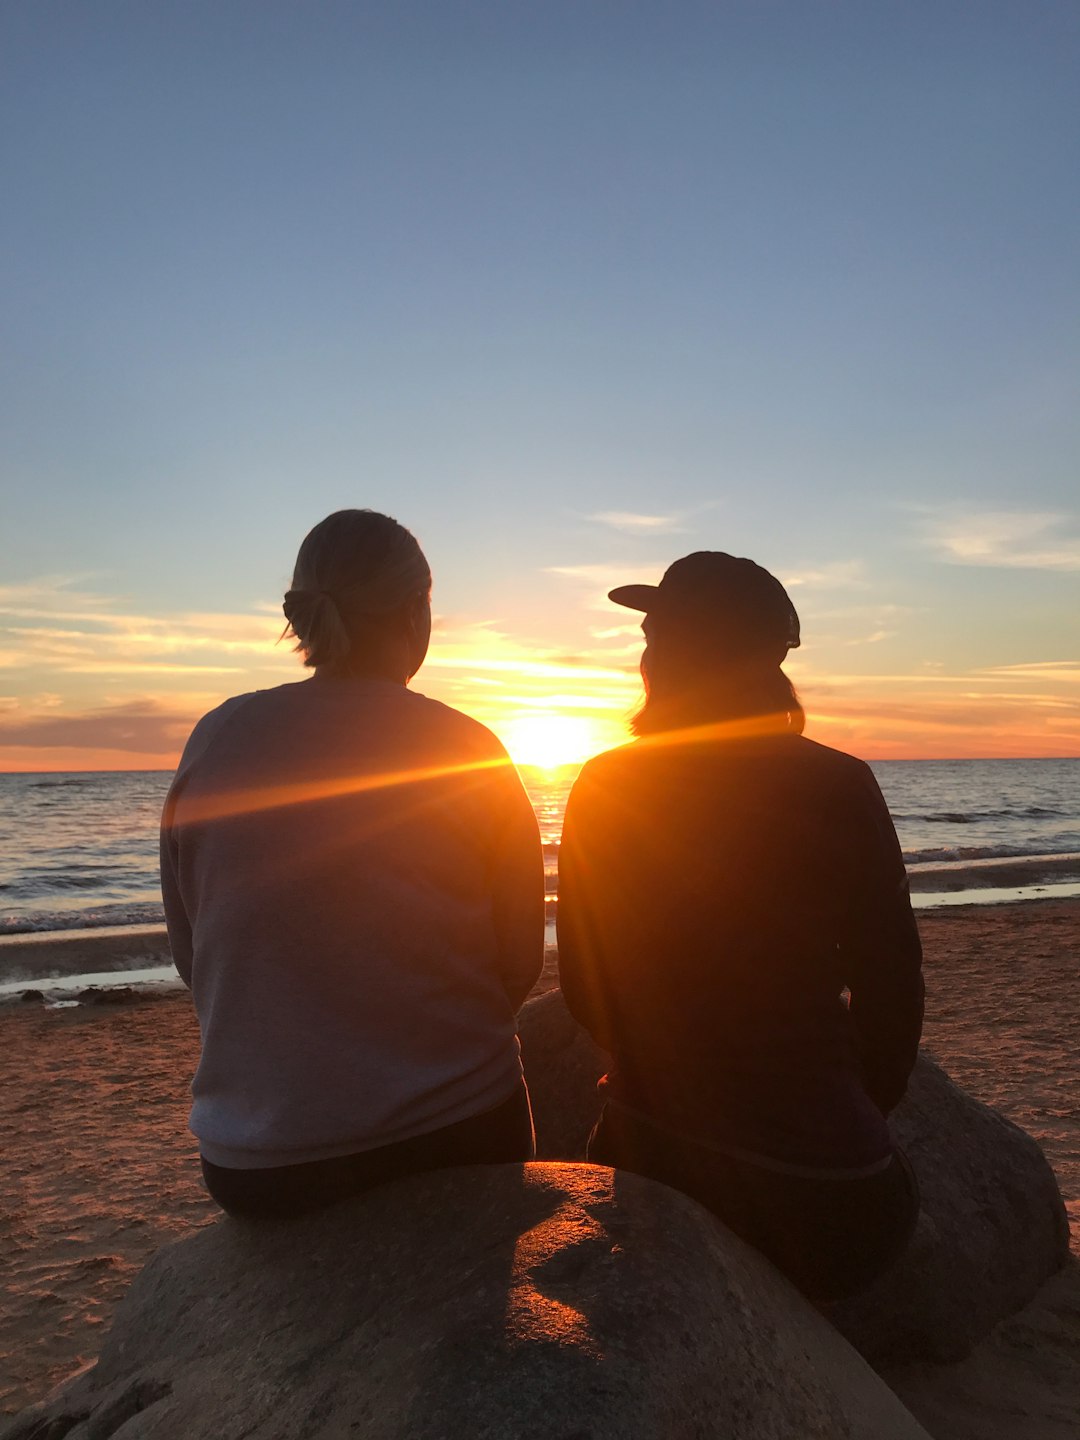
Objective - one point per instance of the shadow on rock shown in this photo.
(537, 1302)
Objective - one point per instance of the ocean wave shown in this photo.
(41, 885)
(108, 880)
(962, 854)
(145, 913)
(64, 783)
(973, 817)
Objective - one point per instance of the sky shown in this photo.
(571, 289)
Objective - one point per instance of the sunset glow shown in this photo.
(564, 349)
(548, 741)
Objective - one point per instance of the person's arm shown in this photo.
(518, 892)
(578, 971)
(176, 916)
(881, 951)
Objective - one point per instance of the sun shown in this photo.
(548, 741)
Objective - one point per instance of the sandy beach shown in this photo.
(100, 1170)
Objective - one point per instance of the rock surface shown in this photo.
(1021, 1383)
(993, 1224)
(992, 1229)
(544, 1302)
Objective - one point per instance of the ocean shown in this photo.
(79, 851)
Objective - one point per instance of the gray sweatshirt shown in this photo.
(353, 888)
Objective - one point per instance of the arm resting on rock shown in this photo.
(882, 953)
(579, 955)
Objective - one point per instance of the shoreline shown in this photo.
(77, 955)
(139, 954)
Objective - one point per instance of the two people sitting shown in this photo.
(353, 887)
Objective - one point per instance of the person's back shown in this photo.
(353, 888)
(715, 900)
(338, 843)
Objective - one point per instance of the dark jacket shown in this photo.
(715, 901)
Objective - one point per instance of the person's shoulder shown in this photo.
(201, 740)
(216, 719)
(837, 766)
(454, 726)
(816, 753)
(251, 705)
(617, 758)
(610, 767)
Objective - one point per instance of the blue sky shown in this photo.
(571, 289)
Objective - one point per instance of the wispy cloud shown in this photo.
(619, 632)
(55, 598)
(523, 666)
(878, 614)
(609, 573)
(1067, 670)
(836, 575)
(567, 702)
(135, 668)
(595, 581)
(874, 638)
(53, 593)
(481, 648)
(49, 627)
(635, 524)
(1009, 539)
(847, 625)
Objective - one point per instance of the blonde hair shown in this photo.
(355, 571)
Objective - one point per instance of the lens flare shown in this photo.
(548, 741)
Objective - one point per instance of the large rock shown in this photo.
(993, 1224)
(541, 1302)
(992, 1229)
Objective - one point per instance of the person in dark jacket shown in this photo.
(735, 930)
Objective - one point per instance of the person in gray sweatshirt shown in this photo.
(353, 887)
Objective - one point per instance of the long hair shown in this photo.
(688, 685)
(355, 573)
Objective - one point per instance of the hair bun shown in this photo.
(314, 617)
(303, 602)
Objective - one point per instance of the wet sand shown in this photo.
(82, 952)
(100, 1171)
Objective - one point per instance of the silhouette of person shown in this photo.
(722, 882)
(354, 893)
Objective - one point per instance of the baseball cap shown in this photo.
(711, 587)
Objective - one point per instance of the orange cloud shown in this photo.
(136, 735)
(921, 724)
